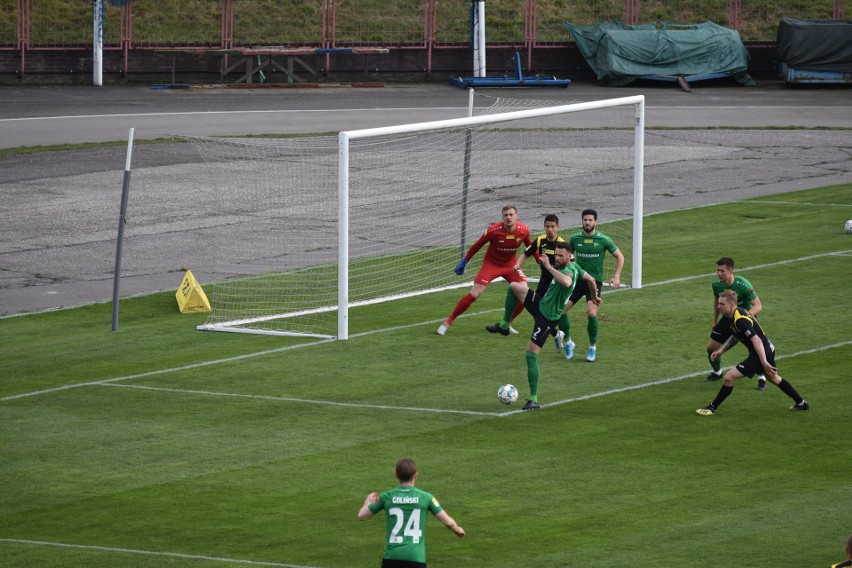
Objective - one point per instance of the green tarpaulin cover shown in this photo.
(618, 53)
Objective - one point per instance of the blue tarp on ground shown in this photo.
(619, 54)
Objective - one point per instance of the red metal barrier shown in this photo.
(427, 25)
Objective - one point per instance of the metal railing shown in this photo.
(40, 25)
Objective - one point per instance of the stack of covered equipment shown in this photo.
(815, 51)
(619, 54)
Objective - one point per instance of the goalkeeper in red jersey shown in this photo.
(503, 239)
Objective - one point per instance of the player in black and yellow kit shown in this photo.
(848, 563)
(761, 355)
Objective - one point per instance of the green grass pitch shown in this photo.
(160, 445)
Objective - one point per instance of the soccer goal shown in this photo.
(312, 229)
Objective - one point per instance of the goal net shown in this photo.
(311, 224)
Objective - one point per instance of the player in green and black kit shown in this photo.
(590, 247)
(544, 244)
(545, 310)
(406, 507)
(721, 331)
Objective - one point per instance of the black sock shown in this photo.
(788, 389)
(724, 392)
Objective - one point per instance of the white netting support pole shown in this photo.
(343, 237)
(638, 191)
(122, 223)
(466, 178)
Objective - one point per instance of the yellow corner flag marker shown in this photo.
(190, 297)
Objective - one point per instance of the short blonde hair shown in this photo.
(729, 296)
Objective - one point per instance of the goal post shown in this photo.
(346, 137)
(309, 231)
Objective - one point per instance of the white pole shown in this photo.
(474, 35)
(638, 191)
(343, 236)
(480, 40)
(98, 43)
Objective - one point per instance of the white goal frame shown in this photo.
(344, 138)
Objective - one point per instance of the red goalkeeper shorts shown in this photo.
(490, 272)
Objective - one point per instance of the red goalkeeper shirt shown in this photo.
(502, 245)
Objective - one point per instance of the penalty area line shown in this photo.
(450, 410)
(305, 400)
(747, 268)
(671, 379)
(153, 553)
(213, 361)
(840, 253)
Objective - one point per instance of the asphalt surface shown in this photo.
(59, 209)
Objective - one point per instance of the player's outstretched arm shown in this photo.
(560, 278)
(727, 345)
(450, 523)
(365, 513)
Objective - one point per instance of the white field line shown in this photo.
(453, 411)
(152, 553)
(675, 379)
(799, 203)
(755, 267)
(305, 400)
(364, 334)
(141, 294)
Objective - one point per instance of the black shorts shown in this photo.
(751, 366)
(581, 289)
(402, 564)
(542, 327)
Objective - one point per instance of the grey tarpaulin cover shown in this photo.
(618, 53)
(815, 45)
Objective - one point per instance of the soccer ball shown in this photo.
(507, 394)
(849, 226)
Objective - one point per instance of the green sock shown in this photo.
(717, 364)
(592, 326)
(508, 308)
(565, 326)
(532, 374)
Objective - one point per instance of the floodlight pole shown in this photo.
(122, 221)
(478, 17)
(98, 43)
